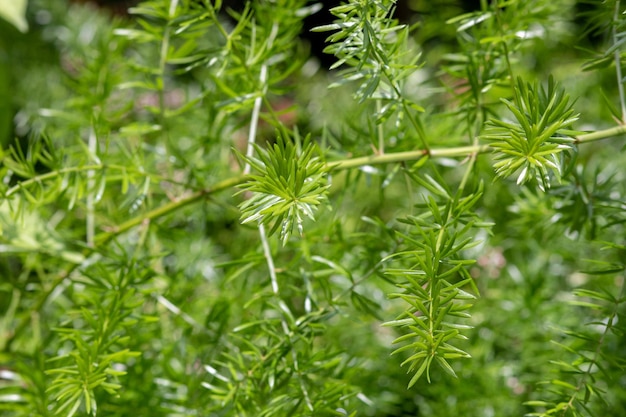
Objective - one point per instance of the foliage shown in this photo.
(537, 138)
(287, 187)
(457, 191)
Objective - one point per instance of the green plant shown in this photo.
(193, 224)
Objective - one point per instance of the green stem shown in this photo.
(254, 122)
(618, 63)
(505, 49)
(169, 208)
(376, 159)
(601, 134)
(460, 151)
(90, 226)
(102, 238)
(57, 173)
(380, 131)
(598, 354)
(165, 46)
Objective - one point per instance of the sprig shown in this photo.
(288, 185)
(433, 286)
(530, 145)
(98, 331)
(374, 50)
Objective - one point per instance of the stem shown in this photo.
(165, 45)
(597, 355)
(505, 49)
(380, 131)
(267, 251)
(169, 208)
(91, 185)
(470, 165)
(284, 310)
(460, 151)
(601, 134)
(415, 120)
(254, 121)
(376, 159)
(93, 167)
(618, 63)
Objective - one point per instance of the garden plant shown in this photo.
(200, 217)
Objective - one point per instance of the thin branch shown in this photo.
(254, 122)
(169, 208)
(460, 151)
(160, 81)
(91, 185)
(618, 63)
(380, 131)
(593, 362)
(601, 134)
(92, 167)
(267, 253)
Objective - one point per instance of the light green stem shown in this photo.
(169, 208)
(455, 152)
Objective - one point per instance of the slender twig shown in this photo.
(50, 175)
(165, 46)
(505, 49)
(254, 122)
(91, 185)
(380, 132)
(169, 208)
(593, 362)
(461, 151)
(267, 253)
(600, 134)
(343, 164)
(38, 179)
(618, 63)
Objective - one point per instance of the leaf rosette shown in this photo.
(287, 187)
(531, 146)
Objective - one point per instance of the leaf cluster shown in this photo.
(541, 131)
(433, 285)
(288, 185)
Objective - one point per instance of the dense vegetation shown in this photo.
(199, 219)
